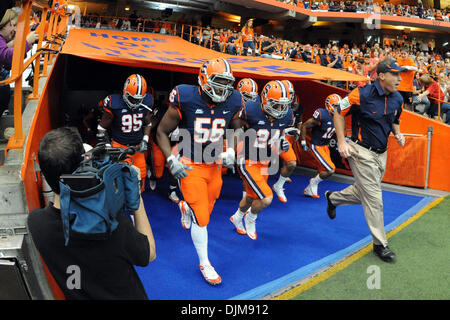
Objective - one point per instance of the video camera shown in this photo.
(102, 186)
(86, 175)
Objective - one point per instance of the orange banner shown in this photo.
(149, 50)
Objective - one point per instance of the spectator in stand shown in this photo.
(307, 53)
(405, 88)
(434, 94)
(8, 25)
(373, 63)
(325, 57)
(133, 20)
(421, 106)
(231, 44)
(361, 68)
(248, 37)
(268, 47)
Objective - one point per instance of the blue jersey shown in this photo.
(205, 124)
(127, 125)
(322, 134)
(266, 132)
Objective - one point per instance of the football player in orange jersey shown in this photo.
(267, 119)
(202, 113)
(322, 132)
(292, 134)
(128, 115)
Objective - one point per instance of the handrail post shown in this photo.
(429, 134)
(190, 34)
(18, 140)
(37, 64)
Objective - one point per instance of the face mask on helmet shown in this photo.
(249, 96)
(332, 102)
(275, 99)
(216, 80)
(134, 91)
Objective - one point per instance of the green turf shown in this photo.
(421, 272)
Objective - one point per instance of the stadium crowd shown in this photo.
(368, 6)
(360, 59)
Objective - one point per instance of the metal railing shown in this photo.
(52, 26)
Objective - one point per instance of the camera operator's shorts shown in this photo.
(138, 159)
(201, 188)
(290, 154)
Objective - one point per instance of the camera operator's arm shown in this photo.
(105, 122)
(143, 226)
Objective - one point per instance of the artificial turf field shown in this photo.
(421, 272)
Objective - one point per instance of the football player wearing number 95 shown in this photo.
(128, 115)
(322, 131)
(205, 111)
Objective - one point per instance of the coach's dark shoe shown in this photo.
(384, 253)
(331, 209)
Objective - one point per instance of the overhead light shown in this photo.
(445, 44)
(127, 8)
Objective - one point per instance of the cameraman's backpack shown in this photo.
(93, 195)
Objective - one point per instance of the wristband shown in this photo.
(145, 138)
(170, 158)
(99, 127)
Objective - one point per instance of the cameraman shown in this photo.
(105, 266)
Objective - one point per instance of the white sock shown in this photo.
(244, 194)
(281, 180)
(252, 216)
(239, 213)
(316, 179)
(199, 237)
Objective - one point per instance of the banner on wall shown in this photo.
(150, 50)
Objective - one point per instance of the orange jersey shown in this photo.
(407, 77)
(248, 34)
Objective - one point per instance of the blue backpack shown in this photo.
(114, 187)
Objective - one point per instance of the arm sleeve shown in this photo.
(350, 101)
(136, 244)
(175, 101)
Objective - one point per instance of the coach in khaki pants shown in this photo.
(375, 111)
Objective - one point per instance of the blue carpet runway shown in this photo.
(294, 240)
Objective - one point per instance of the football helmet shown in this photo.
(248, 89)
(216, 79)
(290, 89)
(332, 102)
(275, 99)
(134, 90)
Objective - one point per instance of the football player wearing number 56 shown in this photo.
(322, 131)
(205, 112)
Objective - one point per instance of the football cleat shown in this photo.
(152, 184)
(210, 274)
(186, 214)
(280, 193)
(238, 224)
(250, 226)
(311, 191)
(173, 196)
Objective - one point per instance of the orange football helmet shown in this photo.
(248, 89)
(332, 102)
(216, 79)
(275, 99)
(134, 90)
(290, 89)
